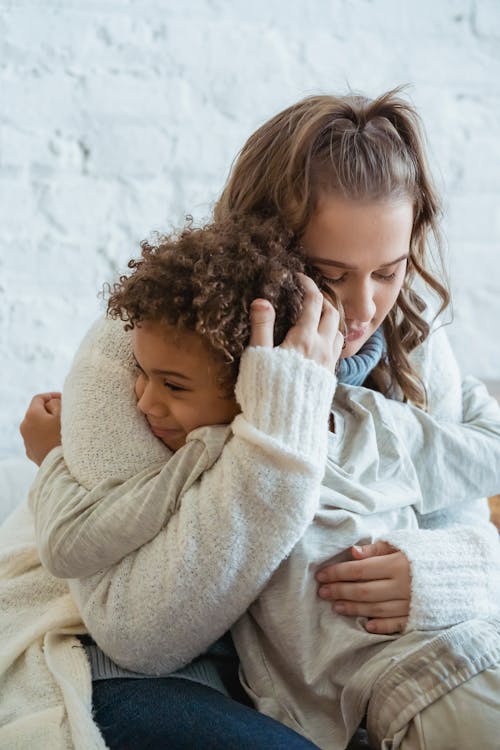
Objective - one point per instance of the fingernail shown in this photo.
(321, 576)
(323, 591)
(340, 608)
(358, 548)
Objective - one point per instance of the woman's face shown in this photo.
(361, 249)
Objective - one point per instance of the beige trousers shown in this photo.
(466, 718)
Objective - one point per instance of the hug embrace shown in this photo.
(265, 523)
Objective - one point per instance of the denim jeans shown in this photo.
(173, 713)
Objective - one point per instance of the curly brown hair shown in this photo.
(204, 280)
(357, 148)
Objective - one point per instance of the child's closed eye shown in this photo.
(173, 387)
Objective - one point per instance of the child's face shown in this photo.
(177, 388)
(361, 248)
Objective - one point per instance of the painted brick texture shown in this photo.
(120, 117)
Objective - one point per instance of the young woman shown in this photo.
(347, 176)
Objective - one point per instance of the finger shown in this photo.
(366, 591)
(46, 396)
(329, 321)
(53, 407)
(312, 307)
(37, 404)
(369, 569)
(387, 625)
(262, 317)
(328, 328)
(371, 550)
(392, 609)
(338, 345)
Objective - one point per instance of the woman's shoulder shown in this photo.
(437, 367)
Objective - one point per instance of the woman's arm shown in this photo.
(455, 574)
(453, 462)
(399, 579)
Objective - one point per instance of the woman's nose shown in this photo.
(360, 307)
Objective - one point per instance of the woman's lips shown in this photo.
(353, 334)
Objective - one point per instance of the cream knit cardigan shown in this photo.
(284, 452)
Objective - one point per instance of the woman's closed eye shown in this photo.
(385, 277)
(339, 279)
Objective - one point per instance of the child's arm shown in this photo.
(163, 604)
(94, 507)
(80, 531)
(83, 521)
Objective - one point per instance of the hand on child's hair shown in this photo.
(262, 316)
(316, 333)
(41, 426)
(376, 585)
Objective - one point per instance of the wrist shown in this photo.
(287, 397)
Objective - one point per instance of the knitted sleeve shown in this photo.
(455, 574)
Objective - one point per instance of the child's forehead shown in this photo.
(166, 344)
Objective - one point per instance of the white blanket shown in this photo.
(16, 476)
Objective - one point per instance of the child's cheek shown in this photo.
(139, 387)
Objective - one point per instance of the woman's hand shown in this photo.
(376, 584)
(41, 426)
(316, 333)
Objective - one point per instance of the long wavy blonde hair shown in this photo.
(361, 149)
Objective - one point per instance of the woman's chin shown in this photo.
(351, 348)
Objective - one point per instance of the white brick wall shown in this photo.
(117, 118)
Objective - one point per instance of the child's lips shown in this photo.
(163, 432)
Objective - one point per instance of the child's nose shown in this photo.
(148, 401)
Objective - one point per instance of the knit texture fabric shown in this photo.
(354, 370)
(104, 360)
(45, 688)
(467, 556)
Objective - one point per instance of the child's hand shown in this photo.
(41, 426)
(376, 584)
(316, 333)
